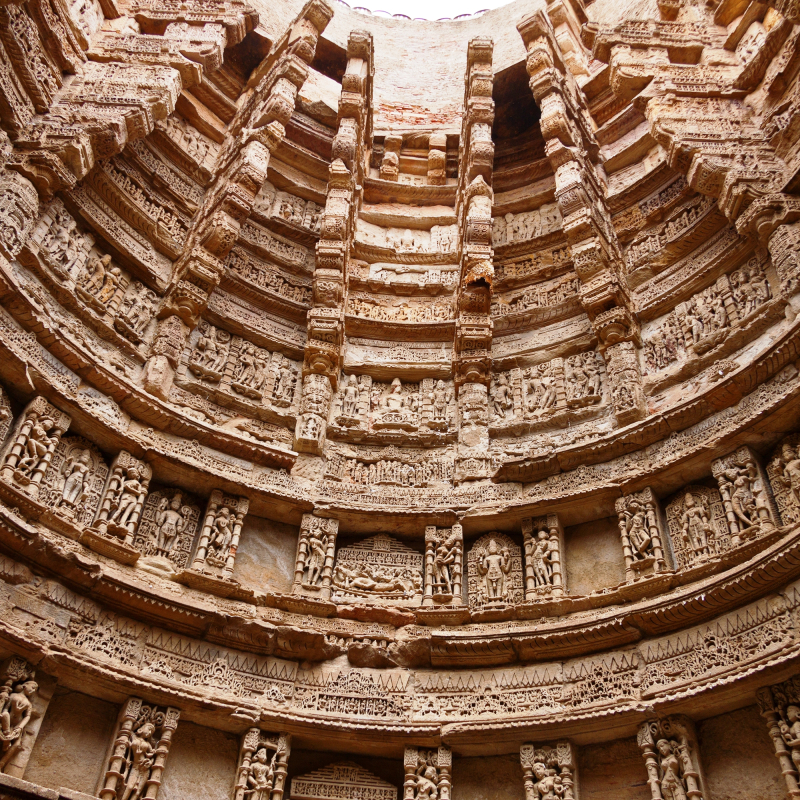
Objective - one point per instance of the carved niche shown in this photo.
(746, 496)
(494, 572)
(120, 509)
(315, 557)
(669, 748)
(18, 712)
(545, 392)
(780, 707)
(548, 772)
(543, 541)
(31, 447)
(378, 570)
(136, 312)
(784, 474)
(697, 526)
(139, 752)
(6, 415)
(218, 539)
(74, 480)
(364, 404)
(427, 773)
(166, 533)
(263, 763)
(343, 781)
(391, 466)
(311, 424)
(444, 566)
(641, 530)
(19, 207)
(63, 247)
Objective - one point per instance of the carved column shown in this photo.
(218, 539)
(316, 547)
(27, 696)
(642, 533)
(427, 773)
(669, 749)
(780, 707)
(746, 496)
(19, 209)
(256, 132)
(547, 766)
(444, 566)
(138, 755)
(260, 754)
(543, 543)
(574, 154)
(32, 444)
(472, 359)
(323, 357)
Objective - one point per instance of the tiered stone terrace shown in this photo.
(399, 406)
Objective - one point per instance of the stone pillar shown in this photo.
(540, 762)
(276, 748)
(746, 496)
(316, 547)
(30, 694)
(35, 437)
(472, 361)
(138, 754)
(543, 544)
(323, 356)
(643, 534)
(780, 707)
(573, 152)
(444, 566)
(670, 744)
(427, 772)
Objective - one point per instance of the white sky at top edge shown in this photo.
(426, 9)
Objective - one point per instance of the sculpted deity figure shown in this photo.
(673, 763)
(638, 533)
(76, 471)
(137, 310)
(742, 497)
(170, 522)
(210, 353)
(139, 760)
(790, 471)
(696, 527)
(350, 397)
(261, 776)
(426, 784)
(127, 498)
(502, 402)
(441, 399)
(394, 400)
(284, 383)
(37, 446)
(15, 714)
(95, 274)
(790, 732)
(219, 540)
(443, 561)
(540, 556)
(315, 561)
(548, 784)
(494, 567)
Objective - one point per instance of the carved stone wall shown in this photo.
(383, 399)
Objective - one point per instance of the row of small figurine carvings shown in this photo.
(111, 511)
(139, 754)
(699, 525)
(65, 481)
